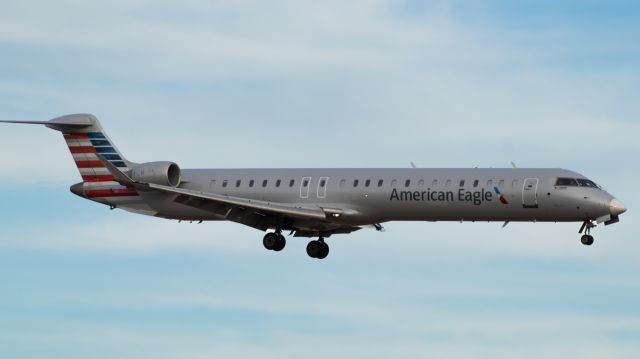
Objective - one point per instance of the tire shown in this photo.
(325, 251)
(314, 249)
(270, 241)
(282, 242)
(587, 240)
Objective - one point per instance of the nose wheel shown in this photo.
(318, 249)
(587, 238)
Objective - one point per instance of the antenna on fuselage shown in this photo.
(513, 165)
(413, 165)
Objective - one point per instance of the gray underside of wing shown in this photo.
(307, 221)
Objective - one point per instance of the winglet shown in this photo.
(119, 176)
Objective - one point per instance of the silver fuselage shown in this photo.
(382, 195)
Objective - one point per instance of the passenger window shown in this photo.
(238, 183)
(380, 182)
(434, 184)
(421, 183)
(343, 182)
(305, 183)
(394, 183)
(448, 183)
(251, 183)
(264, 183)
(278, 183)
(355, 183)
(407, 183)
(224, 183)
(461, 183)
(292, 182)
(476, 183)
(367, 183)
(323, 183)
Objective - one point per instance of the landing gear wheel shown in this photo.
(271, 241)
(587, 240)
(325, 251)
(281, 243)
(318, 249)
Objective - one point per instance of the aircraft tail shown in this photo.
(86, 138)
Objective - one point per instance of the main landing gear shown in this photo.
(274, 241)
(587, 238)
(318, 249)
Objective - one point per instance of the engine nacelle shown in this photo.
(162, 173)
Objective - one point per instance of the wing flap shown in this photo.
(244, 203)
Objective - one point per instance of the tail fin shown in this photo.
(86, 138)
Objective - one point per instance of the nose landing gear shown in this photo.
(587, 238)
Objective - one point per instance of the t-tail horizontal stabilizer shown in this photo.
(62, 123)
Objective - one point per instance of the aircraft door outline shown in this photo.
(322, 187)
(530, 193)
(304, 187)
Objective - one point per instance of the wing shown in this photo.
(305, 220)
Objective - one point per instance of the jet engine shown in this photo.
(162, 173)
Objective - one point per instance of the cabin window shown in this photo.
(292, 182)
(434, 184)
(380, 182)
(238, 182)
(251, 183)
(305, 183)
(461, 183)
(355, 183)
(476, 183)
(448, 183)
(224, 183)
(323, 183)
(343, 182)
(278, 183)
(394, 183)
(490, 183)
(367, 183)
(264, 183)
(421, 183)
(407, 183)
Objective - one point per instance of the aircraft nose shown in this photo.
(616, 207)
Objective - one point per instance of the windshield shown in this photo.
(575, 182)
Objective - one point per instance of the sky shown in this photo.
(377, 83)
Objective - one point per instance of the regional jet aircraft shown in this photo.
(318, 203)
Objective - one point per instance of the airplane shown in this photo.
(319, 203)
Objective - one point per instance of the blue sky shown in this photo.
(329, 84)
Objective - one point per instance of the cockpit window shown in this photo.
(587, 183)
(575, 182)
(567, 182)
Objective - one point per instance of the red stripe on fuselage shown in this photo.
(91, 178)
(105, 193)
(82, 149)
(89, 164)
(76, 136)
